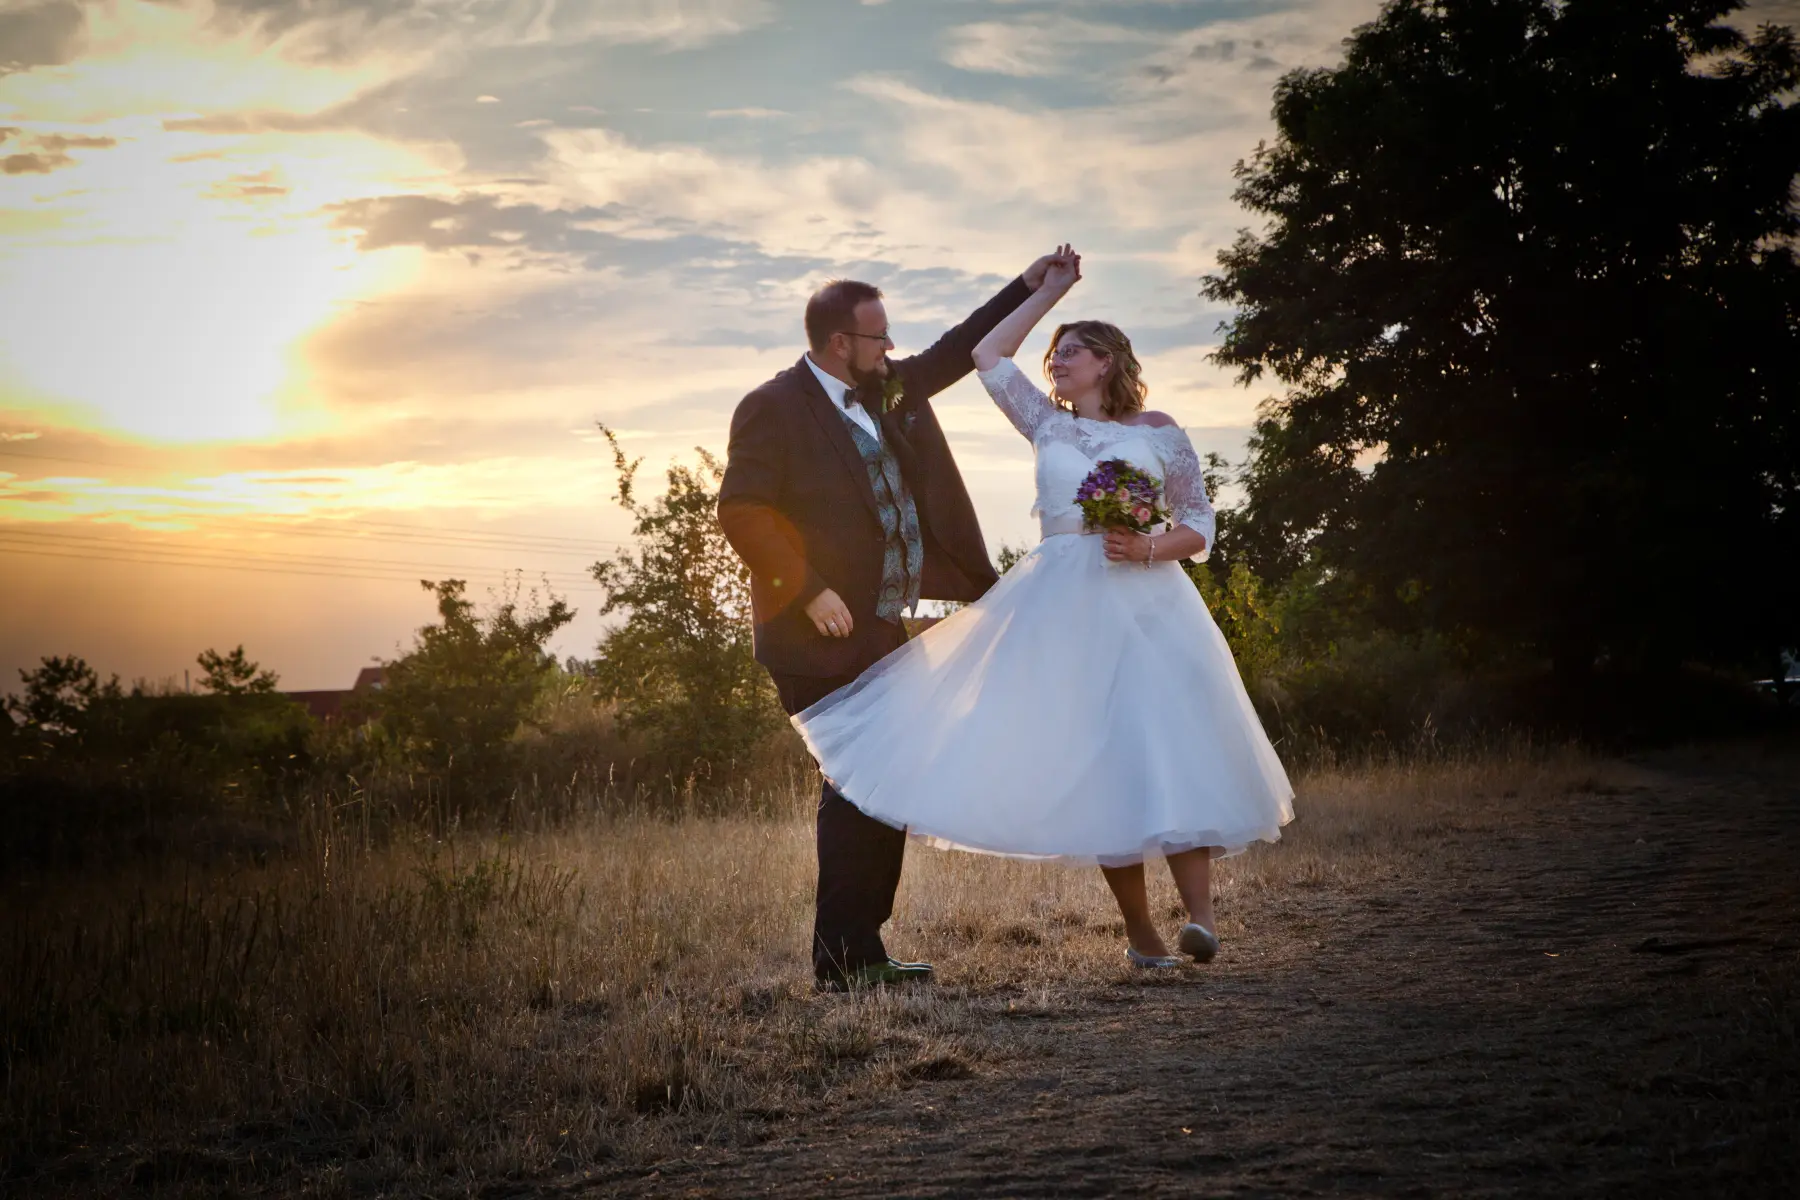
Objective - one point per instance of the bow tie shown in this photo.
(870, 401)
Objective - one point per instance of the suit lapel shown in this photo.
(836, 432)
(897, 442)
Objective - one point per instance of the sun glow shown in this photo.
(169, 276)
(183, 340)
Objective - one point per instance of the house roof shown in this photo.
(322, 706)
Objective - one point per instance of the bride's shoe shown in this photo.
(1151, 962)
(1197, 942)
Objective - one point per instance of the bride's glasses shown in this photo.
(1066, 353)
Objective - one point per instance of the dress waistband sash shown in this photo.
(1049, 526)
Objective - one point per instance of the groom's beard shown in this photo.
(869, 380)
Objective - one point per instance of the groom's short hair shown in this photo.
(832, 309)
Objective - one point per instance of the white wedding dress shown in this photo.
(1082, 709)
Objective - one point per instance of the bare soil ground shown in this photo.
(1521, 973)
(1593, 992)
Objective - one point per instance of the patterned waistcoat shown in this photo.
(903, 560)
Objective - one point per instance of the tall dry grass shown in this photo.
(431, 1010)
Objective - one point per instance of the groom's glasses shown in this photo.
(883, 336)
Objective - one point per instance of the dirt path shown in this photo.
(1599, 1000)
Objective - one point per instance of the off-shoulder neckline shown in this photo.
(1118, 423)
(1009, 361)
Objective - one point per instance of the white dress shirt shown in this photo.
(837, 389)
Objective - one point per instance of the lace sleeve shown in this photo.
(1184, 488)
(1024, 405)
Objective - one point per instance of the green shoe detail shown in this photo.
(877, 975)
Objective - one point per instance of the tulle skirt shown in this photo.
(1081, 710)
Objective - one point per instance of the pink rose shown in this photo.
(1122, 494)
(1140, 513)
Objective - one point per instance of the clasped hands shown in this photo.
(1061, 269)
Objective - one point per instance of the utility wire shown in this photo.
(207, 556)
(319, 527)
(89, 537)
(258, 567)
(397, 530)
(92, 462)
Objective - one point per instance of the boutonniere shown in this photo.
(893, 391)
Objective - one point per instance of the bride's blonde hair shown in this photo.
(1122, 389)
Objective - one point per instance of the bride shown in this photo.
(1087, 708)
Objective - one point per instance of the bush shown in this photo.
(87, 765)
(453, 706)
(680, 669)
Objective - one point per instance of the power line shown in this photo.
(56, 535)
(443, 534)
(257, 567)
(391, 531)
(92, 462)
(294, 534)
(164, 551)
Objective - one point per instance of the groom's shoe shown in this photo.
(876, 975)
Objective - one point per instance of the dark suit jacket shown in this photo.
(797, 506)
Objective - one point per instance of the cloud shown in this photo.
(41, 35)
(1041, 47)
(49, 151)
(1773, 12)
(256, 185)
(466, 222)
(1131, 169)
(56, 142)
(34, 164)
(838, 208)
(261, 122)
(332, 31)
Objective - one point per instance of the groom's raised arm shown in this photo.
(947, 360)
(749, 498)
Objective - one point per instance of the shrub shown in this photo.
(453, 705)
(680, 669)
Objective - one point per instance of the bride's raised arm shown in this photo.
(1004, 340)
(1023, 403)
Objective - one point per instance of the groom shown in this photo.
(842, 498)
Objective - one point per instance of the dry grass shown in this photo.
(434, 1014)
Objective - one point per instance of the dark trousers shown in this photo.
(859, 857)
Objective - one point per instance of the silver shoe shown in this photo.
(1197, 942)
(1151, 962)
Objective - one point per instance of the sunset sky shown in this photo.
(304, 302)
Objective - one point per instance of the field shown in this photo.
(1502, 975)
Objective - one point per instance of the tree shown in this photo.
(470, 682)
(59, 696)
(681, 667)
(1529, 281)
(235, 675)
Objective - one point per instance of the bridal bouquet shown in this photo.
(1118, 495)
